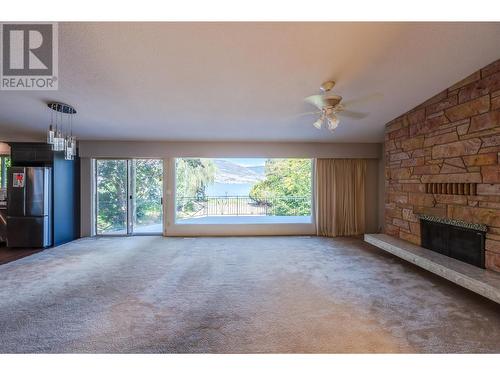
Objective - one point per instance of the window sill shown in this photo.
(230, 220)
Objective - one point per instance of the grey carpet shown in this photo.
(235, 295)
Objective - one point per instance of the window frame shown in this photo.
(129, 225)
(174, 197)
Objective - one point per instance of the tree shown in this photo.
(112, 194)
(193, 175)
(4, 166)
(146, 184)
(286, 188)
(148, 190)
(192, 178)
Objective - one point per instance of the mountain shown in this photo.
(232, 173)
(259, 169)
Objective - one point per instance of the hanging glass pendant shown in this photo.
(50, 131)
(73, 147)
(59, 142)
(50, 135)
(68, 149)
(55, 145)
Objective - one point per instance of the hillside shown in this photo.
(259, 169)
(232, 173)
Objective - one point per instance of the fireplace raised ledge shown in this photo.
(483, 282)
(455, 222)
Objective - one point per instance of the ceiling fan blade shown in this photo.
(352, 114)
(362, 100)
(307, 114)
(302, 114)
(315, 100)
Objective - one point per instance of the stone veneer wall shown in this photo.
(452, 137)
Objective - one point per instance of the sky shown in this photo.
(247, 162)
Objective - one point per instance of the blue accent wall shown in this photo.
(65, 199)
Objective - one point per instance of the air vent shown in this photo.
(455, 188)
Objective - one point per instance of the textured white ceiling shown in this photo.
(244, 81)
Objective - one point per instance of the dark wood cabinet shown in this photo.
(31, 154)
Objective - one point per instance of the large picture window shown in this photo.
(238, 190)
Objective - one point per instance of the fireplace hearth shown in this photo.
(462, 242)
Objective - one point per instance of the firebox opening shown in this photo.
(464, 244)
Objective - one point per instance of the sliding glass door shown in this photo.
(129, 196)
(111, 194)
(147, 188)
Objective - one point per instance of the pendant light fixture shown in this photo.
(60, 133)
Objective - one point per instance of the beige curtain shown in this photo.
(340, 197)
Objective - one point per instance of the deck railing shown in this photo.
(242, 206)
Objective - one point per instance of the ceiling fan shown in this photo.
(331, 106)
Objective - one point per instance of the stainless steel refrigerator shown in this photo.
(28, 207)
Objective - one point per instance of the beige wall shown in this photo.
(168, 150)
(372, 196)
(381, 192)
(109, 149)
(4, 148)
(86, 198)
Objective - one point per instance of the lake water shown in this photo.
(220, 189)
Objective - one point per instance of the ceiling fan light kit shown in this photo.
(332, 122)
(319, 122)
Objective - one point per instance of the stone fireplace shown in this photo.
(442, 161)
